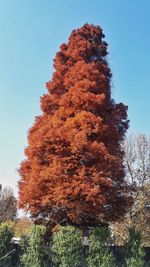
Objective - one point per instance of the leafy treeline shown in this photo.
(66, 248)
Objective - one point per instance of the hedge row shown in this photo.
(66, 248)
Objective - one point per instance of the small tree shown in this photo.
(6, 234)
(8, 207)
(22, 226)
(34, 254)
(134, 254)
(99, 255)
(67, 247)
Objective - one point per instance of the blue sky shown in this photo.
(30, 34)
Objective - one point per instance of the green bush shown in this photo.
(67, 247)
(98, 254)
(6, 234)
(134, 253)
(32, 247)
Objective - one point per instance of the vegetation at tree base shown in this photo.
(6, 234)
(67, 247)
(32, 248)
(73, 172)
(99, 254)
(134, 254)
(8, 205)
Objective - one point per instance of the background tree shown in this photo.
(22, 226)
(137, 165)
(73, 171)
(8, 205)
(139, 220)
(137, 159)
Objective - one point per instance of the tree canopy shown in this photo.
(73, 171)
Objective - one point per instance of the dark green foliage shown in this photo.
(99, 255)
(33, 248)
(6, 234)
(67, 247)
(23, 245)
(134, 253)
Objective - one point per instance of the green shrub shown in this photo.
(6, 234)
(32, 247)
(67, 247)
(98, 254)
(134, 253)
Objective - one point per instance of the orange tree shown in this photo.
(73, 171)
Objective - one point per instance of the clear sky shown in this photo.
(30, 34)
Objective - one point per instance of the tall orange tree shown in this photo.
(73, 171)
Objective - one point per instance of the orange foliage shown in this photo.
(22, 226)
(73, 171)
